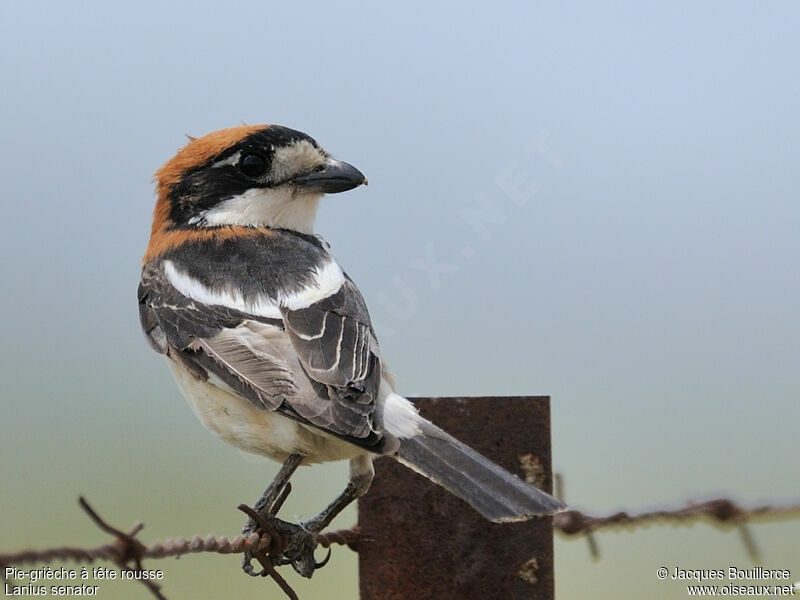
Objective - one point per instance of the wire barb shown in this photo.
(129, 549)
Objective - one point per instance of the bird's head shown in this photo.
(252, 175)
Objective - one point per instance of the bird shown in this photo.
(268, 338)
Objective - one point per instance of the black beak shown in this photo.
(334, 177)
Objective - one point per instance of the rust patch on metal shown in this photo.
(533, 469)
(426, 543)
(527, 572)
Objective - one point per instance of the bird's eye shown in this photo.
(253, 165)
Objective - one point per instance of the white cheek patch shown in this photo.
(253, 207)
(266, 207)
(326, 282)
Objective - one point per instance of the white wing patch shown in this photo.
(190, 287)
(326, 282)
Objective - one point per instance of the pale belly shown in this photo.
(256, 430)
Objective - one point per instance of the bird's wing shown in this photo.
(335, 343)
(227, 342)
(316, 363)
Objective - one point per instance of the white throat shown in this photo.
(279, 207)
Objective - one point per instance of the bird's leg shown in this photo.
(300, 550)
(266, 505)
(361, 474)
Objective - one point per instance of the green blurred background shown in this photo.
(595, 202)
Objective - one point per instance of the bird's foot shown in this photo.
(299, 551)
(290, 544)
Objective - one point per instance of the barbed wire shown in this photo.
(718, 512)
(127, 552)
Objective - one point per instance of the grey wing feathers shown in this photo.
(318, 364)
(335, 348)
(335, 344)
(213, 338)
(249, 353)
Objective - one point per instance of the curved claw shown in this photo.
(304, 563)
(324, 561)
(301, 553)
(247, 566)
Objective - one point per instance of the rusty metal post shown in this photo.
(421, 542)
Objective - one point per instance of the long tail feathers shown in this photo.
(491, 490)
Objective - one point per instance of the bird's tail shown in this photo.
(491, 490)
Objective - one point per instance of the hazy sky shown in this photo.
(598, 202)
